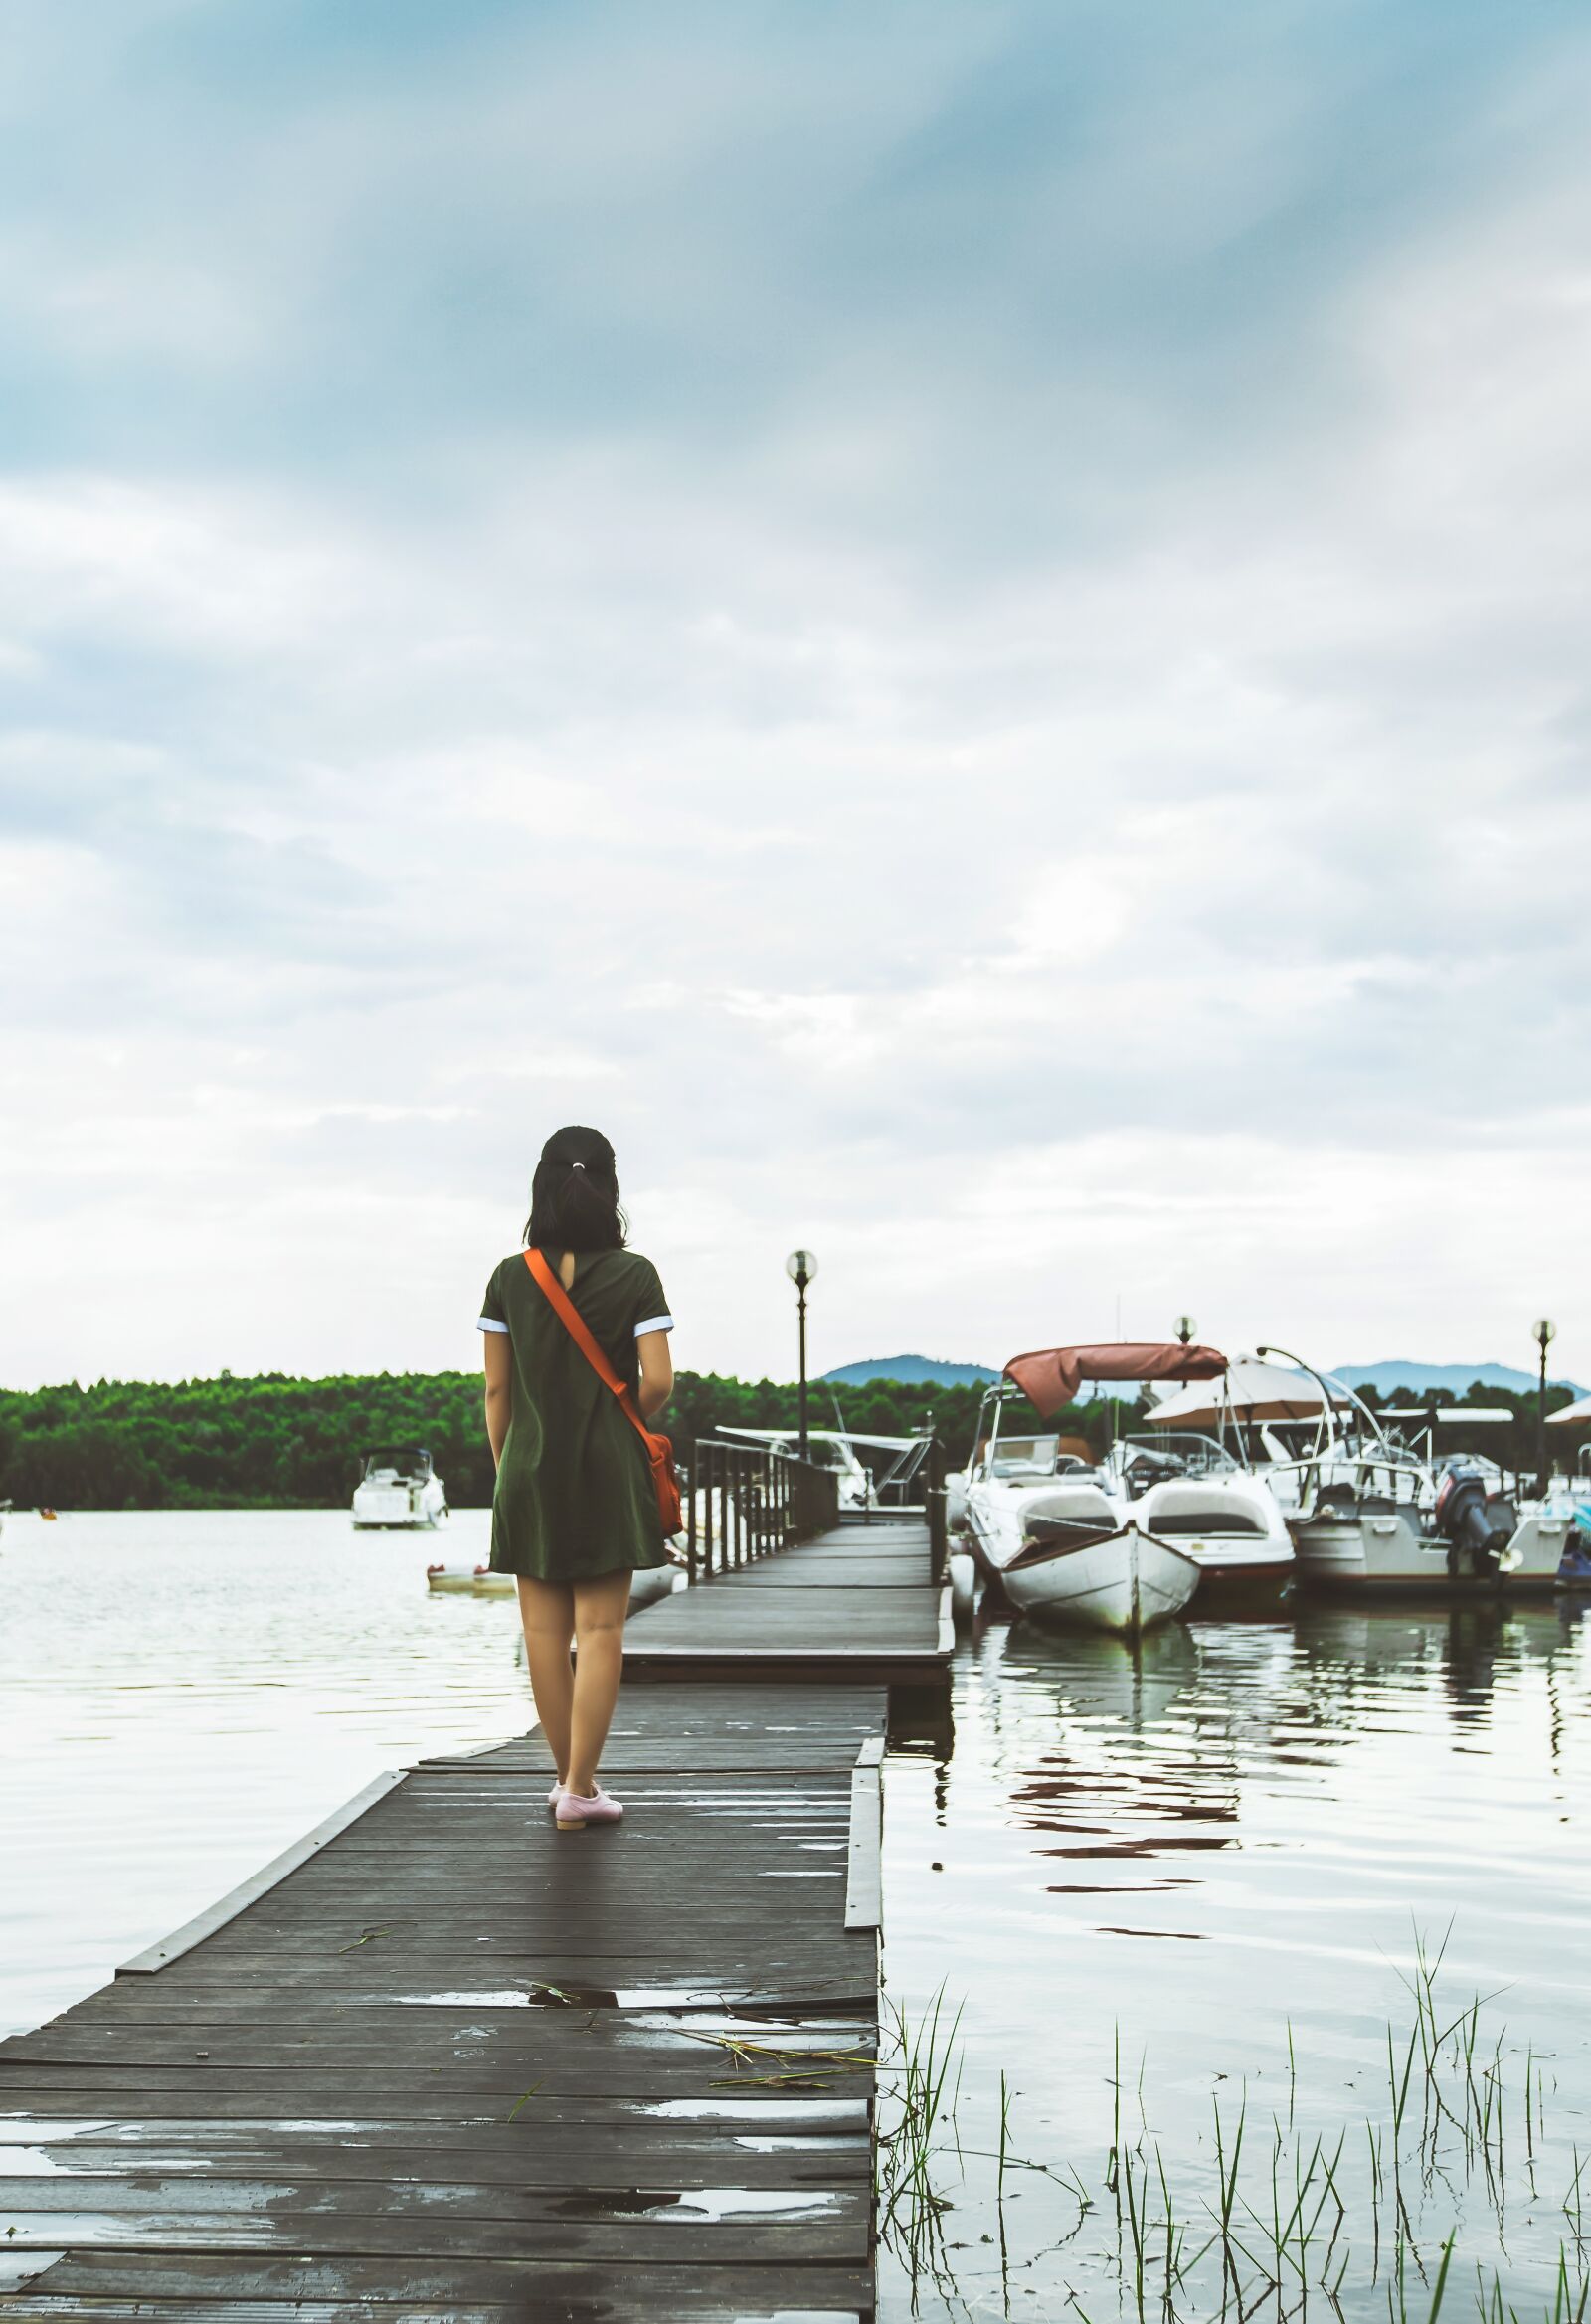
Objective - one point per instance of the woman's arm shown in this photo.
(656, 1373)
(499, 1390)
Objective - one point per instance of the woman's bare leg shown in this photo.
(547, 1610)
(600, 1609)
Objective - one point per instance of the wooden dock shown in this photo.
(440, 2062)
(860, 1600)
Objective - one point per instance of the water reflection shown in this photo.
(1216, 1849)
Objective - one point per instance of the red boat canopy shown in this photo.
(1051, 1376)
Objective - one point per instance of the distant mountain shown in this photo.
(916, 1369)
(1400, 1378)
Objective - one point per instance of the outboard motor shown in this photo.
(1477, 1525)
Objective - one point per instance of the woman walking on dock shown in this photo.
(567, 1321)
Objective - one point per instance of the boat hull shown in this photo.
(400, 1509)
(1390, 1555)
(1125, 1584)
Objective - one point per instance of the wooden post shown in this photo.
(934, 1499)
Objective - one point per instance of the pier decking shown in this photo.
(858, 1600)
(445, 2062)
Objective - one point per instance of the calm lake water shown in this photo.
(1149, 1887)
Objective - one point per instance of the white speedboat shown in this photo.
(1060, 1537)
(1375, 1521)
(1060, 1544)
(399, 1491)
(1371, 1513)
(1190, 1488)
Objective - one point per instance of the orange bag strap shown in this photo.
(579, 1330)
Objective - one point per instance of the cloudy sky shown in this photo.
(965, 625)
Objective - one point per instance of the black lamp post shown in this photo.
(800, 1267)
(1185, 1328)
(1543, 1334)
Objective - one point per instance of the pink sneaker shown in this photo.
(574, 1812)
(554, 1795)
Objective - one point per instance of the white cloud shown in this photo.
(881, 730)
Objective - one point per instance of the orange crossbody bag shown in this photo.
(660, 1451)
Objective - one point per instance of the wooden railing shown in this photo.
(743, 1501)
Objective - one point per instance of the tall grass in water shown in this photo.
(1458, 2194)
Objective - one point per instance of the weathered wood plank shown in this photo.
(555, 2156)
(533, 2290)
(434, 2099)
(254, 2213)
(864, 1879)
(840, 2233)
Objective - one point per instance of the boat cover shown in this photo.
(1051, 1376)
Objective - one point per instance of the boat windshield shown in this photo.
(400, 1461)
(1026, 1455)
(1149, 1460)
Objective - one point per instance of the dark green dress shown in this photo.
(575, 1495)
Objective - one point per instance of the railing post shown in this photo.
(934, 1497)
(710, 1466)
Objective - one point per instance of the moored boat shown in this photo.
(399, 1491)
(1188, 1489)
(1123, 1581)
(1062, 1538)
(463, 1577)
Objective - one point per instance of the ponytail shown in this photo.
(574, 1196)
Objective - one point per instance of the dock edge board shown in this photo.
(864, 1868)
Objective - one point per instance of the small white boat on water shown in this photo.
(461, 1578)
(400, 1490)
(466, 1578)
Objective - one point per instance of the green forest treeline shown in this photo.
(272, 1442)
(278, 1443)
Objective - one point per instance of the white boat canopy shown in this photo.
(1572, 1416)
(1251, 1391)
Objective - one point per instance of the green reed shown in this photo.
(1291, 2215)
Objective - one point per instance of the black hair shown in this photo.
(574, 1196)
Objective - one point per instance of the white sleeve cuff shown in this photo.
(490, 1323)
(656, 1324)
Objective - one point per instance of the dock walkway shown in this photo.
(440, 2062)
(860, 1600)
